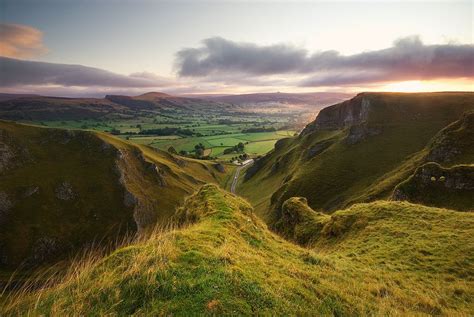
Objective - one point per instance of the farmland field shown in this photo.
(184, 130)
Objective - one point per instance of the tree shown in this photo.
(172, 150)
(115, 131)
(199, 152)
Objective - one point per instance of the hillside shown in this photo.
(311, 99)
(37, 108)
(61, 190)
(360, 150)
(434, 185)
(383, 258)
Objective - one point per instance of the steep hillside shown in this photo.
(60, 190)
(359, 150)
(383, 258)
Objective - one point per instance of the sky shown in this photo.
(91, 48)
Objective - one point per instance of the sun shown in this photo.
(430, 85)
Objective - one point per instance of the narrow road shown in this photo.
(236, 176)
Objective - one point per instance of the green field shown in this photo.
(211, 130)
(255, 143)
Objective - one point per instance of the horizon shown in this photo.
(198, 95)
(48, 49)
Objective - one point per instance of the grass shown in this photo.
(99, 168)
(206, 123)
(256, 143)
(344, 173)
(383, 258)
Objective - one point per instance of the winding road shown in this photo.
(236, 176)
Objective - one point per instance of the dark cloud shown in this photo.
(20, 41)
(407, 59)
(220, 55)
(16, 72)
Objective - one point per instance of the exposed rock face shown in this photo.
(157, 172)
(12, 154)
(358, 133)
(351, 112)
(434, 185)
(144, 214)
(43, 250)
(317, 149)
(454, 142)
(65, 191)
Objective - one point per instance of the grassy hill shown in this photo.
(360, 150)
(61, 190)
(382, 258)
(37, 108)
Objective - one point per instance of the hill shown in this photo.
(321, 98)
(37, 108)
(382, 258)
(61, 190)
(360, 150)
(278, 102)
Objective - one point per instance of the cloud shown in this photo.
(407, 59)
(219, 55)
(17, 72)
(20, 41)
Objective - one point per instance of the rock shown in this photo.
(129, 199)
(399, 195)
(64, 191)
(358, 133)
(6, 156)
(454, 142)
(351, 112)
(434, 185)
(30, 191)
(44, 249)
(317, 149)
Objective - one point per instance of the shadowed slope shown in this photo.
(61, 190)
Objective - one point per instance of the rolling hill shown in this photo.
(381, 258)
(361, 149)
(37, 108)
(62, 190)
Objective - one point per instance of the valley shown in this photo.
(358, 213)
(163, 121)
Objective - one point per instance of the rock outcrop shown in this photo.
(434, 185)
(455, 143)
(65, 191)
(355, 111)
